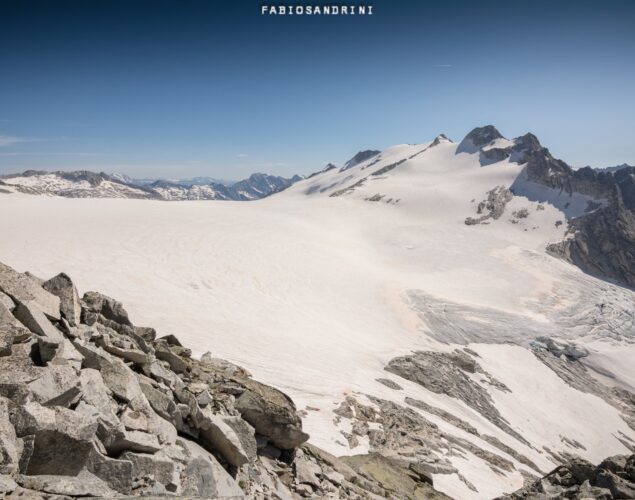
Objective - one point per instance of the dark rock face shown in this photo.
(601, 242)
(579, 479)
(103, 408)
(360, 157)
(449, 373)
(477, 138)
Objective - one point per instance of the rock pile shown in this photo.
(579, 479)
(92, 405)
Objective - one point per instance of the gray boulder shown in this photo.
(64, 444)
(165, 353)
(84, 484)
(31, 316)
(95, 303)
(58, 385)
(203, 476)
(9, 449)
(25, 288)
(161, 401)
(155, 468)
(7, 484)
(62, 286)
(272, 413)
(11, 330)
(7, 301)
(17, 371)
(121, 346)
(231, 436)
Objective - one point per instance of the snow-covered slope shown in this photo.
(319, 288)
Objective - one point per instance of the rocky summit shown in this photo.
(93, 406)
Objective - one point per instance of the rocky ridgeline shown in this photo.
(601, 242)
(92, 405)
(581, 480)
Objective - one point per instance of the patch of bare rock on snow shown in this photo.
(94, 406)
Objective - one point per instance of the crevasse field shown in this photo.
(315, 294)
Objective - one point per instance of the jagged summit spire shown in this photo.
(439, 139)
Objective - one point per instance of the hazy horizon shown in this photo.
(166, 89)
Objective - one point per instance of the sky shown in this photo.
(181, 88)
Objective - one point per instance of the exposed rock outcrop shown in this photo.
(492, 207)
(602, 241)
(450, 373)
(579, 479)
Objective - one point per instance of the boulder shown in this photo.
(231, 436)
(146, 333)
(171, 340)
(140, 441)
(121, 346)
(17, 371)
(160, 373)
(7, 301)
(63, 287)
(84, 484)
(272, 413)
(64, 444)
(7, 335)
(25, 288)
(118, 377)
(176, 362)
(58, 385)
(307, 472)
(203, 476)
(134, 420)
(162, 402)
(7, 485)
(159, 469)
(95, 303)
(98, 397)
(9, 449)
(11, 330)
(34, 319)
(69, 355)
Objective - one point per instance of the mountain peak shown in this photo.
(479, 137)
(528, 141)
(484, 135)
(439, 139)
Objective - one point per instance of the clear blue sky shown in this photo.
(201, 87)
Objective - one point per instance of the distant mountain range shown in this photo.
(86, 184)
(615, 168)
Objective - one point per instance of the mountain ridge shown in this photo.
(88, 184)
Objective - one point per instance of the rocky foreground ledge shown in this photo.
(94, 406)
